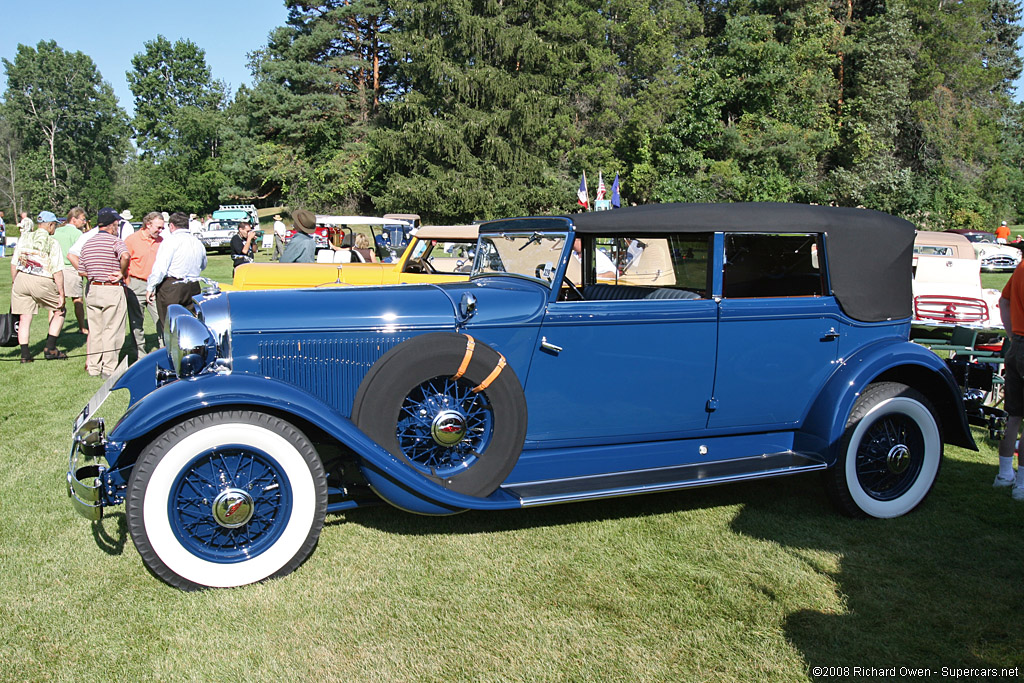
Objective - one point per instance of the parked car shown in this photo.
(437, 253)
(994, 256)
(216, 235)
(332, 229)
(776, 344)
(947, 284)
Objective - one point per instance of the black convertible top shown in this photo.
(869, 252)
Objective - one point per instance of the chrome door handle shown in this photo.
(831, 335)
(548, 346)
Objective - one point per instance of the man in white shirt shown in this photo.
(280, 231)
(25, 225)
(125, 226)
(177, 268)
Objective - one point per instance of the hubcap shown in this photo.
(898, 459)
(448, 428)
(443, 426)
(232, 508)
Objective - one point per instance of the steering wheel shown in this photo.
(574, 292)
(420, 265)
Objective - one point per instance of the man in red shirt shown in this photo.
(1003, 233)
(142, 246)
(1011, 309)
(104, 260)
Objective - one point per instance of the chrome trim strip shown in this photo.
(621, 484)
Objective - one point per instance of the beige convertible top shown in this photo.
(447, 232)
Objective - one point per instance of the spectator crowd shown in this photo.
(113, 273)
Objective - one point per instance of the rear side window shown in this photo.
(767, 265)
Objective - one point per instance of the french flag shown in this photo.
(581, 194)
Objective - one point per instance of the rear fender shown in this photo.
(887, 360)
(392, 479)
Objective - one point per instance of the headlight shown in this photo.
(190, 344)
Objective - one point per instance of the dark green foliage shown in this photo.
(303, 127)
(178, 128)
(474, 109)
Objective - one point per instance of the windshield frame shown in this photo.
(528, 239)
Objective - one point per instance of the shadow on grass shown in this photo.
(111, 533)
(393, 520)
(947, 573)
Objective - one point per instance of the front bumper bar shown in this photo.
(85, 482)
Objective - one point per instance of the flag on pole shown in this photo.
(581, 194)
(616, 200)
(601, 189)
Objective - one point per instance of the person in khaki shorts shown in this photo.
(36, 271)
(142, 247)
(66, 235)
(104, 261)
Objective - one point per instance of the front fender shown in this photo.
(395, 481)
(886, 360)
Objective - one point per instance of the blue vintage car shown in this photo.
(589, 356)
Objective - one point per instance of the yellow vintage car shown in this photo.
(437, 253)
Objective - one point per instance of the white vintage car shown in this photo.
(947, 283)
(993, 256)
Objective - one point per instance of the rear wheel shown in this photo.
(890, 453)
(226, 499)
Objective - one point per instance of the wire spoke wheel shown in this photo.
(889, 455)
(450, 408)
(443, 426)
(230, 504)
(226, 499)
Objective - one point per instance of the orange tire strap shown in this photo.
(491, 377)
(470, 346)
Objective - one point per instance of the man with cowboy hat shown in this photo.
(302, 247)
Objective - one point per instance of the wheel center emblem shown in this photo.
(232, 508)
(898, 459)
(448, 428)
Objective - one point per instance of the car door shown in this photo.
(627, 369)
(778, 332)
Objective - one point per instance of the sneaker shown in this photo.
(1001, 483)
(1017, 493)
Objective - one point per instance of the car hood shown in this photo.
(499, 300)
(986, 249)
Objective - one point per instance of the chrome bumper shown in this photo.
(85, 482)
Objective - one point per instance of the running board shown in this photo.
(618, 484)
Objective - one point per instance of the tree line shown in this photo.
(470, 109)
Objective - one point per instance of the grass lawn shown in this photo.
(758, 581)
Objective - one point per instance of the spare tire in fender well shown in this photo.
(449, 407)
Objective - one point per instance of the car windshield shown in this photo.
(448, 257)
(534, 255)
(981, 237)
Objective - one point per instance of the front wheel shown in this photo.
(226, 499)
(889, 454)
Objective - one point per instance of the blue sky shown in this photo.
(113, 31)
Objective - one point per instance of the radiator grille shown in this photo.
(330, 369)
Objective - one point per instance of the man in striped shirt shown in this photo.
(179, 262)
(104, 261)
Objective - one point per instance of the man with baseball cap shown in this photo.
(104, 260)
(38, 280)
(302, 247)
